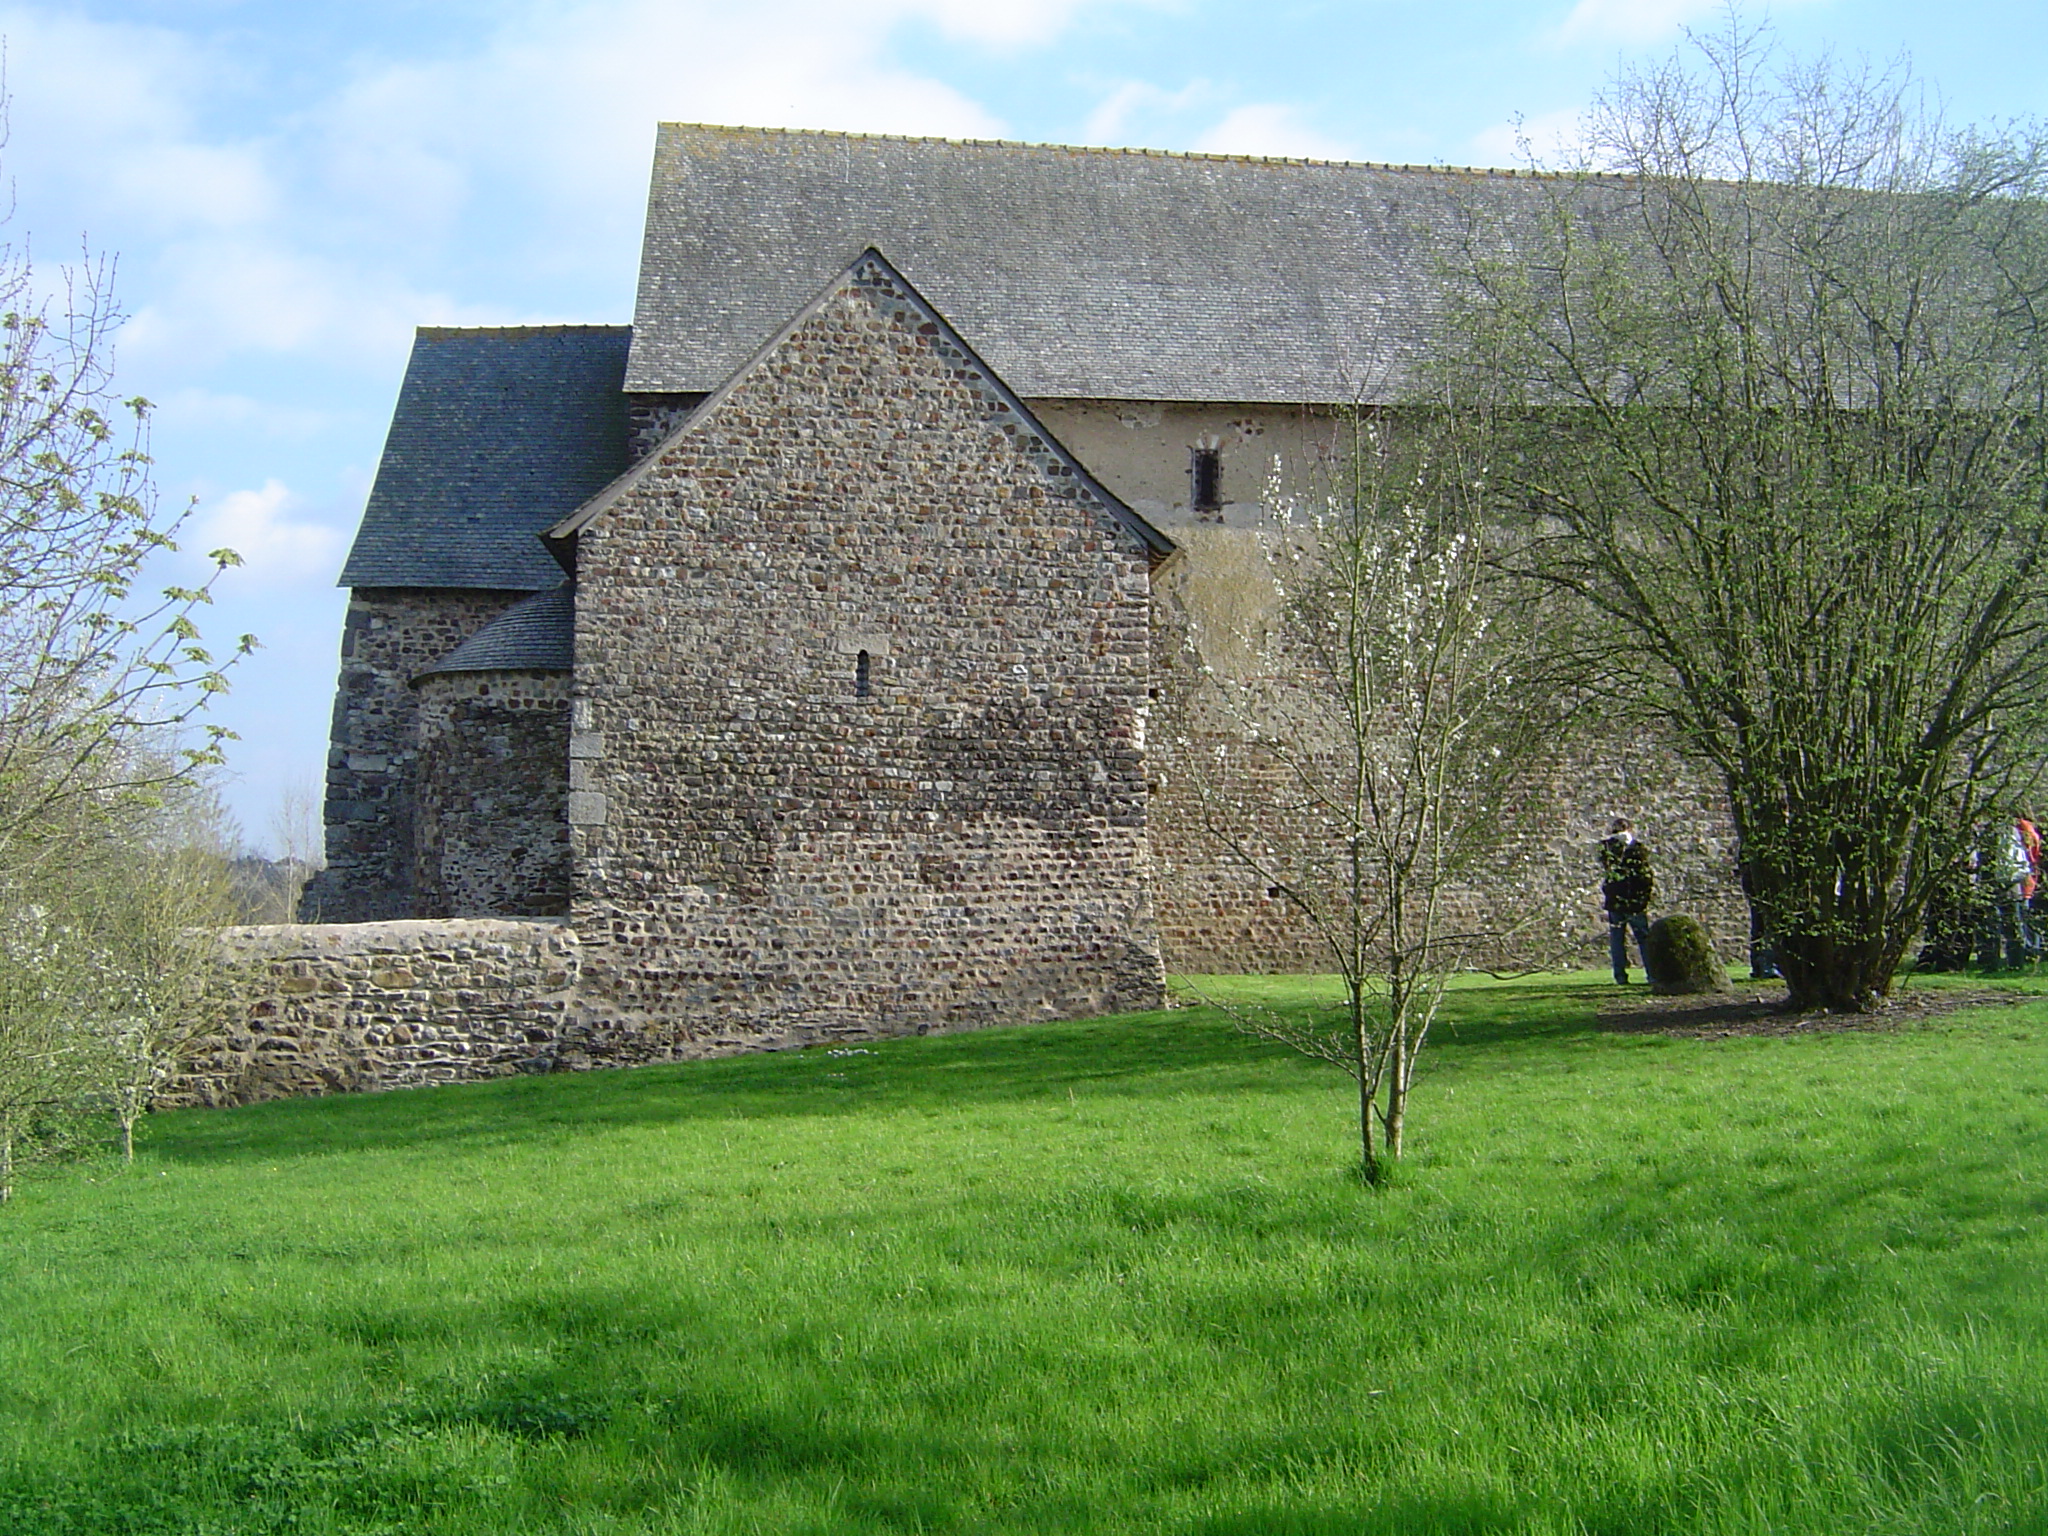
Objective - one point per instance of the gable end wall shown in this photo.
(764, 857)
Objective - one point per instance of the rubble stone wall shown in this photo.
(491, 822)
(650, 419)
(317, 1008)
(1214, 608)
(390, 636)
(857, 747)
(1542, 895)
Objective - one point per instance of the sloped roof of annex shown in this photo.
(536, 634)
(1083, 273)
(561, 538)
(497, 434)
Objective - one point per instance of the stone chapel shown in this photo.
(797, 643)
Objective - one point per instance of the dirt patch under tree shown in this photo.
(1758, 1008)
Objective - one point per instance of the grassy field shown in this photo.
(1111, 1276)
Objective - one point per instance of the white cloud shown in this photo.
(1268, 128)
(216, 299)
(1553, 137)
(998, 22)
(1110, 119)
(193, 409)
(563, 107)
(225, 185)
(262, 527)
(103, 117)
(1136, 110)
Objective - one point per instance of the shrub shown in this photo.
(1680, 957)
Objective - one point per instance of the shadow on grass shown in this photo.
(1416, 1515)
(1189, 1049)
(1178, 1050)
(1138, 1054)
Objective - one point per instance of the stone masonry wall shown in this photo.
(491, 821)
(390, 636)
(1214, 914)
(1212, 606)
(338, 1008)
(650, 419)
(857, 748)
(1217, 915)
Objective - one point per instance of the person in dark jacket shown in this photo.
(1626, 888)
(1763, 956)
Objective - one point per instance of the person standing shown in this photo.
(2030, 927)
(2003, 871)
(1626, 888)
(1763, 957)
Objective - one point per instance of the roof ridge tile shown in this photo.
(1219, 156)
(450, 332)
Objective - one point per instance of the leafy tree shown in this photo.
(40, 1064)
(1385, 734)
(96, 678)
(1765, 377)
(149, 917)
(92, 665)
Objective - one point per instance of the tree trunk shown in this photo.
(1397, 1094)
(1368, 1082)
(1837, 949)
(1837, 978)
(1369, 1164)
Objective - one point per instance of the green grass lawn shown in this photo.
(1110, 1276)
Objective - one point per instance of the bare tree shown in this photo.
(300, 844)
(1396, 721)
(1766, 377)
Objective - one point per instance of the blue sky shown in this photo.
(290, 188)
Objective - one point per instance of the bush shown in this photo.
(1680, 957)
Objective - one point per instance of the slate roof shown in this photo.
(536, 634)
(871, 268)
(498, 434)
(1080, 273)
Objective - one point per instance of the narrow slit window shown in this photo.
(1205, 474)
(863, 682)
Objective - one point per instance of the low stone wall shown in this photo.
(346, 1007)
(300, 1010)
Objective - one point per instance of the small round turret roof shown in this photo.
(536, 634)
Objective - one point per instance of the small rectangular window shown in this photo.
(1205, 476)
(863, 683)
